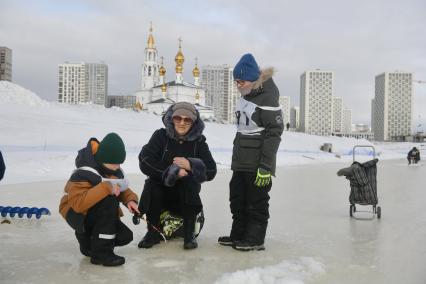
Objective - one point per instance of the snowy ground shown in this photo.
(311, 238)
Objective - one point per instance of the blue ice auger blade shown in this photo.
(42, 211)
(32, 211)
(23, 211)
(5, 211)
(13, 211)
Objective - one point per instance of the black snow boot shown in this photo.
(247, 245)
(108, 260)
(150, 239)
(226, 241)
(103, 251)
(254, 239)
(237, 233)
(84, 242)
(189, 241)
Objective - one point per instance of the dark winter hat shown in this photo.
(246, 69)
(111, 150)
(184, 109)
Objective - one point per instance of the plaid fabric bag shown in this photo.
(363, 183)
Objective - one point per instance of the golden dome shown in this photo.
(179, 59)
(196, 71)
(163, 88)
(162, 71)
(151, 41)
(179, 68)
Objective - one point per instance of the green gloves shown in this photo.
(263, 177)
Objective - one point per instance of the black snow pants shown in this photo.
(103, 229)
(249, 207)
(182, 199)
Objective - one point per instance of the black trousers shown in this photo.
(103, 229)
(249, 207)
(182, 199)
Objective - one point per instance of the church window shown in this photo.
(149, 71)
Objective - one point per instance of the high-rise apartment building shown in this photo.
(392, 106)
(5, 64)
(337, 114)
(221, 91)
(285, 106)
(83, 83)
(316, 102)
(294, 118)
(347, 121)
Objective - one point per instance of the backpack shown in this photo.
(172, 224)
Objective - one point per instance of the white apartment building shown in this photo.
(392, 106)
(294, 117)
(285, 106)
(83, 83)
(337, 114)
(347, 121)
(5, 64)
(128, 102)
(221, 91)
(97, 82)
(316, 102)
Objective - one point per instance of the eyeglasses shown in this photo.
(240, 82)
(179, 119)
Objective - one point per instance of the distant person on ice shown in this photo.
(176, 161)
(2, 166)
(413, 155)
(90, 204)
(259, 128)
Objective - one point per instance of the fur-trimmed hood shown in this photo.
(194, 133)
(265, 75)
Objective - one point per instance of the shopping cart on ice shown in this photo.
(363, 182)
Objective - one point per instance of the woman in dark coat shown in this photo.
(176, 160)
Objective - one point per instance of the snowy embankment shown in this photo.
(40, 139)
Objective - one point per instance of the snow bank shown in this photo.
(294, 272)
(15, 94)
(43, 138)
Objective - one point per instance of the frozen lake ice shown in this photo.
(310, 238)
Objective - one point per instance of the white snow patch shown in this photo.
(286, 272)
(15, 94)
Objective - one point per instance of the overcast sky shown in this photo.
(355, 39)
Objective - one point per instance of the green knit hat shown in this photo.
(111, 150)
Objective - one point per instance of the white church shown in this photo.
(156, 95)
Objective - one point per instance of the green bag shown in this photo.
(172, 224)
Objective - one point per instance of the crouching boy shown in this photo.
(90, 204)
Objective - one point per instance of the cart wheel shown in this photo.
(379, 212)
(350, 210)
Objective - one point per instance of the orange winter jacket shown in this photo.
(84, 189)
(81, 196)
